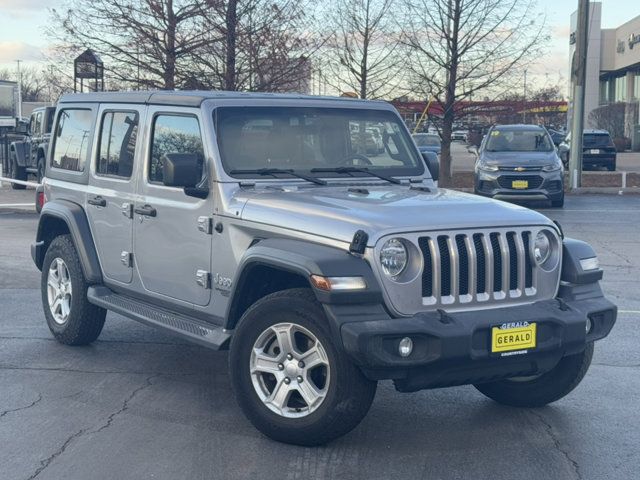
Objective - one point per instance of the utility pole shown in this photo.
(578, 74)
(524, 98)
(19, 90)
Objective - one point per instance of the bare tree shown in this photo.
(459, 47)
(362, 53)
(34, 83)
(265, 46)
(610, 118)
(143, 42)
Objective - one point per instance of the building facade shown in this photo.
(612, 88)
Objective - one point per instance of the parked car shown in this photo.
(28, 155)
(427, 142)
(519, 162)
(460, 135)
(321, 269)
(598, 150)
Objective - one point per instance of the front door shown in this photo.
(173, 255)
(112, 182)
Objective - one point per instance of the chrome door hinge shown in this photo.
(203, 278)
(127, 209)
(126, 258)
(205, 224)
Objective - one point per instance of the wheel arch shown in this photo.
(278, 264)
(61, 217)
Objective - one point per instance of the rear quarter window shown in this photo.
(72, 140)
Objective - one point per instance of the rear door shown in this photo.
(173, 256)
(111, 189)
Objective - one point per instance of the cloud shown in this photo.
(12, 51)
(24, 8)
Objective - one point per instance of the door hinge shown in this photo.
(203, 278)
(127, 209)
(126, 258)
(205, 224)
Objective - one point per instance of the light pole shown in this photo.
(524, 98)
(19, 90)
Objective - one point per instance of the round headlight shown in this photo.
(393, 257)
(541, 248)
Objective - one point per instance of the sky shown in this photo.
(22, 33)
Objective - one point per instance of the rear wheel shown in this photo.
(40, 169)
(290, 380)
(70, 317)
(539, 390)
(17, 173)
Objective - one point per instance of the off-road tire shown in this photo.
(41, 169)
(17, 173)
(85, 320)
(546, 388)
(349, 394)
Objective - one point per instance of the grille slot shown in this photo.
(468, 267)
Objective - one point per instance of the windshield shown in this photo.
(302, 139)
(425, 140)
(596, 140)
(518, 141)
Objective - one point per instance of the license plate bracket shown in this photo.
(513, 337)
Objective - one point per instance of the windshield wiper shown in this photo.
(275, 171)
(351, 170)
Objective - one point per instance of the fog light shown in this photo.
(588, 325)
(405, 347)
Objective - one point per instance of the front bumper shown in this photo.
(541, 185)
(454, 349)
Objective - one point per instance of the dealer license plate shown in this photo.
(509, 337)
(594, 151)
(520, 184)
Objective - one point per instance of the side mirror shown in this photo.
(473, 149)
(433, 164)
(563, 148)
(183, 170)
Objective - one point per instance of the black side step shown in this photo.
(196, 331)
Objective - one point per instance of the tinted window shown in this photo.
(596, 140)
(174, 134)
(518, 141)
(36, 121)
(117, 144)
(306, 138)
(72, 142)
(49, 120)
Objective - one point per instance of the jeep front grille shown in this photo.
(466, 266)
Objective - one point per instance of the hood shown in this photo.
(430, 148)
(336, 212)
(514, 159)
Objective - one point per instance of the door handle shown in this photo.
(98, 201)
(146, 210)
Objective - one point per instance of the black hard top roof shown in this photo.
(187, 98)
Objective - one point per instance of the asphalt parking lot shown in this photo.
(139, 404)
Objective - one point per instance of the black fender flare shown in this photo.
(19, 149)
(304, 258)
(572, 252)
(75, 218)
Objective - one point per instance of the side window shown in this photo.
(37, 126)
(72, 140)
(117, 144)
(174, 134)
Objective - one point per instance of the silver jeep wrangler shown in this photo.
(269, 225)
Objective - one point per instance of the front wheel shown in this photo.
(289, 378)
(17, 173)
(539, 390)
